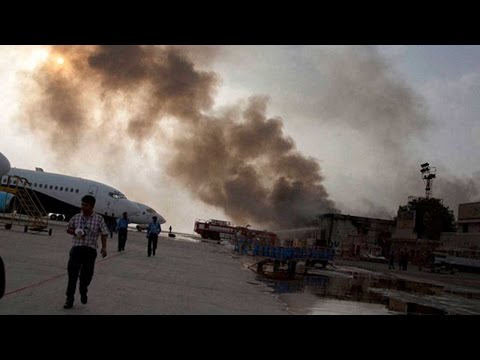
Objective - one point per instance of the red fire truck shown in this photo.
(214, 229)
(218, 229)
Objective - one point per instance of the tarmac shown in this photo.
(192, 277)
(413, 291)
(185, 277)
(357, 287)
(457, 282)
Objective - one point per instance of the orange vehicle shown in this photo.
(214, 229)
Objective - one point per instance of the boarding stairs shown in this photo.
(27, 200)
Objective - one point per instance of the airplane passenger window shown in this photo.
(40, 185)
(71, 190)
(51, 187)
(76, 191)
(66, 189)
(56, 187)
(61, 188)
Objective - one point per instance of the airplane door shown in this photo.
(93, 190)
(108, 210)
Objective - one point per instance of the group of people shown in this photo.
(402, 260)
(86, 227)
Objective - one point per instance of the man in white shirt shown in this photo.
(85, 228)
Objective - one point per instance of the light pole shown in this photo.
(428, 174)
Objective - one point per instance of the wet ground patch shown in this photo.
(349, 290)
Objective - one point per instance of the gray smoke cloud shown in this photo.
(253, 170)
(239, 161)
(455, 190)
(364, 93)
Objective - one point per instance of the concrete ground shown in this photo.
(358, 287)
(185, 277)
(459, 281)
(421, 290)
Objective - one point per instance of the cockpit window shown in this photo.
(117, 195)
(151, 211)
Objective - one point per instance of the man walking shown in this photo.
(152, 234)
(85, 228)
(122, 232)
(391, 261)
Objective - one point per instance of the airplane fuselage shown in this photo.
(62, 194)
(4, 164)
(145, 214)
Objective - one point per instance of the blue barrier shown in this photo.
(285, 253)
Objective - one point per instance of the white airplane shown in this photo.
(4, 165)
(62, 194)
(144, 216)
(4, 168)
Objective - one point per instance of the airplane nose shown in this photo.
(4, 165)
(133, 209)
(161, 219)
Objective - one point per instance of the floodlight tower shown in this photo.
(428, 174)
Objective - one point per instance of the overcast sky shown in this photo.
(353, 122)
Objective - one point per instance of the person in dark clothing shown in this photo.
(391, 264)
(122, 231)
(153, 231)
(85, 228)
(112, 226)
(405, 260)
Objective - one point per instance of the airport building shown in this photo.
(468, 229)
(351, 236)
